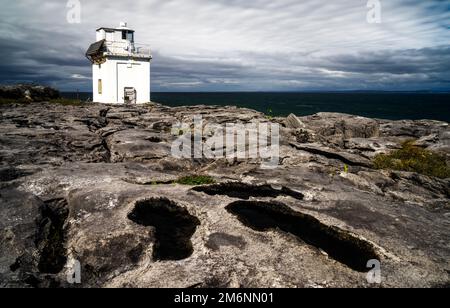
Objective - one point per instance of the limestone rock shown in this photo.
(342, 125)
(293, 122)
(95, 184)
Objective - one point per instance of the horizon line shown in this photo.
(299, 91)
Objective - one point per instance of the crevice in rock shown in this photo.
(21, 123)
(135, 254)
(104, 112)
(155, 139)
(330, 154)
(108, 151)
(10, 174)
(147, 182)
(245, 191)
(94, 123)
(32, 281)
(340, 245)
(16, 265)
(174, 227)
(51, 238)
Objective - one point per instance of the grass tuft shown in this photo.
(67, 102)
(194, 180)
(61, 101)
(9, 101)
(414, 159)
(269, 114)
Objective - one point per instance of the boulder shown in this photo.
(341, 126)
(292, 121)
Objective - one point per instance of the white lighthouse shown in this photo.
(120, 69)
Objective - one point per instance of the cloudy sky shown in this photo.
(237, 45)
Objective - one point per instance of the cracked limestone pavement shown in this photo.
(95, 183)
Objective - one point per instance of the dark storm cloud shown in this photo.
(414, 61)
(380, 70)
(238, 45)
(41, 56)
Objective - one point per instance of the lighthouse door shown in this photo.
(129, 95)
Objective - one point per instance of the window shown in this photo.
(128, 35)
(100, 87)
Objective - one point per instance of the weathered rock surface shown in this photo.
(336, 127)
(94, 184)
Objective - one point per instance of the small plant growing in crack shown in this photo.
(346, 168)
(269, 114)
(194, 180)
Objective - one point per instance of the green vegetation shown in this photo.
(7, 101)
(346, 168)
(61, 101)
(269, 114)
(414, 159)
(193, 180)
(67, 102)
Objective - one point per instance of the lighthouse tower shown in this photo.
(120, 69)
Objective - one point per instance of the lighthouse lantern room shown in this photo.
(120, 69)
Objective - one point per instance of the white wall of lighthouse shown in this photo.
(112, 77)
(120, 69)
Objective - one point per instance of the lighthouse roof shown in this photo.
(115, 29)
(95, 48)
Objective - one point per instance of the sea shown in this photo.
(381, 105)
